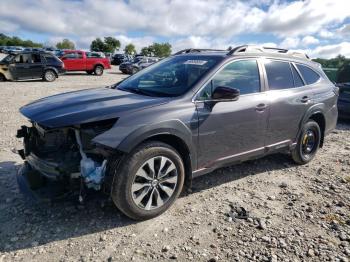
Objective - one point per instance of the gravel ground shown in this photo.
(262, 210)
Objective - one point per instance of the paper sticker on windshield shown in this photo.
(195, 62)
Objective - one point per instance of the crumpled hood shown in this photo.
(86, 106)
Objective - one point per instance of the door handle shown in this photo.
(261, 107)
(305, 99)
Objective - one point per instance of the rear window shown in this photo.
(279, 75)
(298, 82)
(50, 58)
(309, 75)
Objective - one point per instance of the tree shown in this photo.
(16, 41)
(111, 44)
(130, 49)
(162, 49)
(146, 51)
(65, 44)
(157, 49)
(97, 45)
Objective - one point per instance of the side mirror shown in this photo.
(225, 93)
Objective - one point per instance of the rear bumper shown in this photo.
(331, 119)
(61, 71)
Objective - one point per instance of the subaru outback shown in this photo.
(143, 139)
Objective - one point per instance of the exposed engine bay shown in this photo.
(65, 155)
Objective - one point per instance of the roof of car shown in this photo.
(251, 51)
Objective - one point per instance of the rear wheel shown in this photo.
(98, 70)
(148, 181)
(308, 143)
(49, 76)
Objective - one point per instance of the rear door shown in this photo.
(289, 99)
(37, 66)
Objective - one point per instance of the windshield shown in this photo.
(8, 58)
(172, 76)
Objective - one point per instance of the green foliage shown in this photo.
(130, 49)
(336, 62)
(65, 44)
(109, 45)
(157, 49)
(337, 69)
(16, 41)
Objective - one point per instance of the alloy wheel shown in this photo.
(154, 183)
(49, 76)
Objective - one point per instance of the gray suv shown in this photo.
(141, 140)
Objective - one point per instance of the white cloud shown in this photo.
(290, 42)
(330, 51)
(184, 23)
(220, 18)
(309, 40)
(344, 30)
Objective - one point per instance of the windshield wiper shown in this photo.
(138, 91)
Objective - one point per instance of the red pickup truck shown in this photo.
(75, 60)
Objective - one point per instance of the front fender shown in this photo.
(126, 138)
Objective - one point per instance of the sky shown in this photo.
(320, 28)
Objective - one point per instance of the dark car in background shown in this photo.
(31, 65)
(141, 140)
(139, 63)
(343, 82)
(118, 59)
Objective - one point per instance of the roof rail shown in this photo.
(196, 50)
(263, 49)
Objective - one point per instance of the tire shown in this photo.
(2, 78)
(139, 196)
(307, 144)
(98, 70)
(49, 76)
(89, 72)
(134, 70)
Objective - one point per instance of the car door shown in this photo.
(36, 68)
(232, 129)
(20, 68)
(72, 61)
(289, 99)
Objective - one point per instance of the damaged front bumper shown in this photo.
(38, 188)
(56, 164)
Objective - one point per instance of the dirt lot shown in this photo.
(296, 213)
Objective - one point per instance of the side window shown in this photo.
(242, 75)
(309, 75)
(79, 55)
(36, 58)
(23, 58)
(70, 56)
(298, 82)
(279, 75)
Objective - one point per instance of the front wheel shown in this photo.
(148, 181)
(2, 78)
(308, 143)
(49, 76)
(98, 70)
(134, 70)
